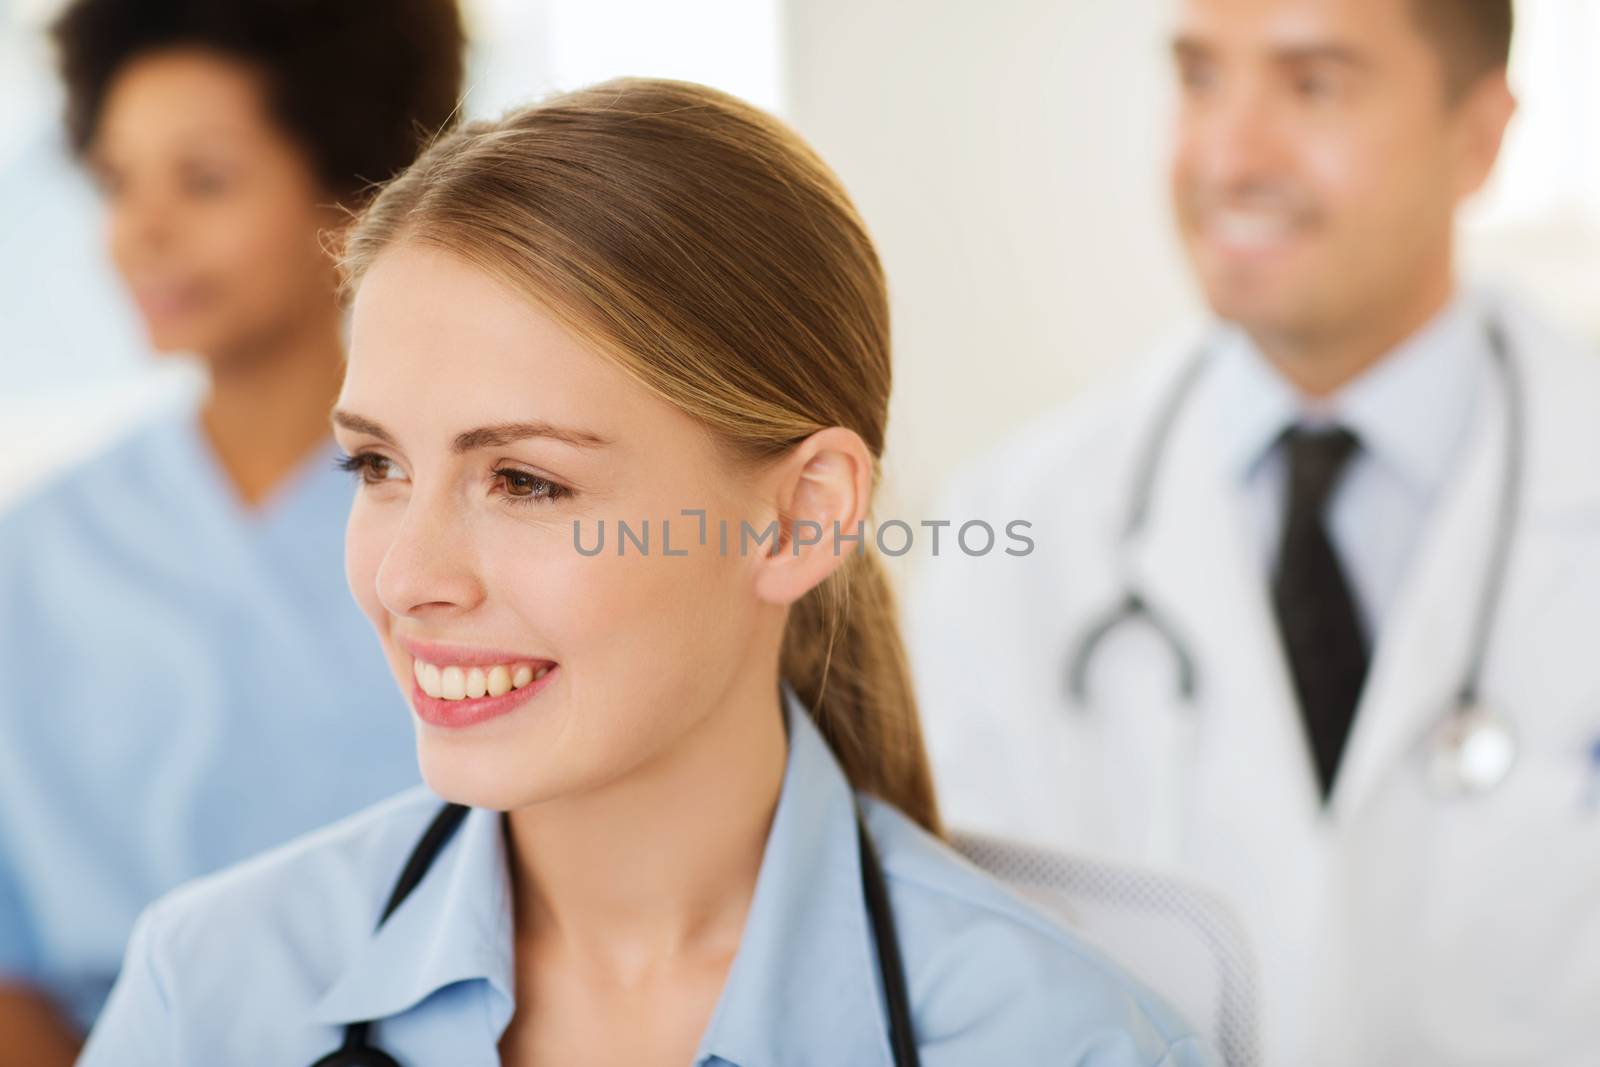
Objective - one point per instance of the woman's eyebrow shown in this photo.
(502, 433)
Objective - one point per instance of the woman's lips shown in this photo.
(463, 655)
(462, 685)
(469, 711)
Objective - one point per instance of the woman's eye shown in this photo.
(369, 467)
(525, 488)
(520, 486)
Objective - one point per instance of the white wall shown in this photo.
(1006, 157)
(1538, 223)
(525, 48)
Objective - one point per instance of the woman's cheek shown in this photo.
(567, 598)
(579, 600)
(673, 603)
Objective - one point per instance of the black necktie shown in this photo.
(1316, 611)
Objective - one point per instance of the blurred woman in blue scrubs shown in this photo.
(186, 681)
(642, 304)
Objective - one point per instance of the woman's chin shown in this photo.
(498, 781)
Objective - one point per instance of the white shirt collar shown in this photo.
(1410, 409)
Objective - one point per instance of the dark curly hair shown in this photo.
(362, 85)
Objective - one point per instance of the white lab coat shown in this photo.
(1397, 928)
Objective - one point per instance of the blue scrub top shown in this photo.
(183, 683)
(267, 962)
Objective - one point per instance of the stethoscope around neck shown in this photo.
(359, 1051)
(1470, 750)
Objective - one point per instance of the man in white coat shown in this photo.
(1362, 696)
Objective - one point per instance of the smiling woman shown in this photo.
(688, 790)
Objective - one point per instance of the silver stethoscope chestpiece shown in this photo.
(1471, 752)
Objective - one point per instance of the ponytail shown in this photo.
(843, 655)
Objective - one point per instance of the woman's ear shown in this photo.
(823, 492)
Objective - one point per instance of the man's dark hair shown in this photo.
(1473, 37)
(362, 85)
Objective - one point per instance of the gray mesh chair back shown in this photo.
(1178, 939)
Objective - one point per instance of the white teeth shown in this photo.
(456, 683)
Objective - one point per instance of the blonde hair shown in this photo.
(702, 245)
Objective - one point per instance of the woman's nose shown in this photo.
(430, 566)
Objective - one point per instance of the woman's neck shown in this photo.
(657, 868)
(265, 412)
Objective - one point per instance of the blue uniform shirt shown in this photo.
(265, 963)
(185, 683)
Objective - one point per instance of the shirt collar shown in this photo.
(455, 926)
(1410, 410)
(805, 970)
(806, 973)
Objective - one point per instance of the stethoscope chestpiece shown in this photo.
(1471, 752)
